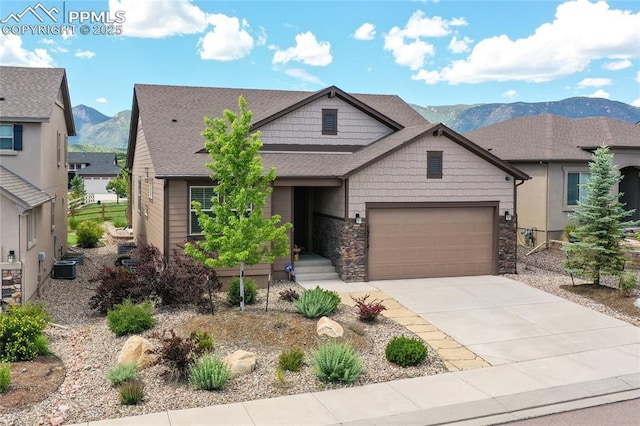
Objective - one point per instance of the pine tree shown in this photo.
(77, 187)
(237, 233)
(600, 221)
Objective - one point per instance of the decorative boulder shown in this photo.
(637, 303)
(240, 363)
(137, 350)
(328, 327)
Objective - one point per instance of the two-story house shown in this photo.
(96, 170)
(35, 121)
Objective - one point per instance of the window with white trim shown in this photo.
(59, 148)
(53, 215)
(31, 226)
(203, 195)
(139, 195)
(150, 189)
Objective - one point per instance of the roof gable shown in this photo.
(29, 95)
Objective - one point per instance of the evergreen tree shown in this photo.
(77, 187)
(600, 221)
(237, 233)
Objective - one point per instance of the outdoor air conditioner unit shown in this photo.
(64, 269)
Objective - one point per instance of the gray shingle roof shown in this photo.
(21, 191)
(29, 94)
(172, 120)
(99, 163)
(549, 137)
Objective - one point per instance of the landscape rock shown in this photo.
(137, 349)
(637, 303)
(328, 327)
(240, 363)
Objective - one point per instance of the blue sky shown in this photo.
(428, 52)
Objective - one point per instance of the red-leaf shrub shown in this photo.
(368, 311)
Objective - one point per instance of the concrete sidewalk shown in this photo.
(547, 355)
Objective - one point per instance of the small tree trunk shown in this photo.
(242, 286)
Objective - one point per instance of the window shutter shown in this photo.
(17, 137)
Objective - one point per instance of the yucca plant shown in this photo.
(337, 362)
(317, 303)
(209, 372)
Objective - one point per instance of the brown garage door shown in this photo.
(430, 242)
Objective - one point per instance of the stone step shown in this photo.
(313, 261)
(317, 276)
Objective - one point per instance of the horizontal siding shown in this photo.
(401, 177)
(304, 126)
(282, 205)
(178, 224)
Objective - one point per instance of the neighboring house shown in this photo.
(555, 152)
(35, 121)
(366, 181)
(96, 170)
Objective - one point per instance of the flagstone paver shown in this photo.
(455, 356)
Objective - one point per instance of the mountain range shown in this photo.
(97, 132)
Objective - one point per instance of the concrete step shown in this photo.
(309, 269)
(317, 276)
(312, 261)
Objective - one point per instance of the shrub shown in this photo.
(317, 303)
(89, 233)
(368, 311)
(128, 318)
(73, 222)
(289, 295)
(116, 286)
(132, 392)
(628, 281)
(250, 291)
(21, 333)
(176, 353)
(203, 340)
(405, 351)
(5, 377)
(291, 360)
(569, 228)
(184, 281)
(122, 373)
(337, 362)
(209, 372)
(119, 222)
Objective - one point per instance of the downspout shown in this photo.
(515, 212)
(546, 207)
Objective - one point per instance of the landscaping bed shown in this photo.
(88, 349)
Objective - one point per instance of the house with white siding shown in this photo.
(366, 181)
(96, 170)
(35, 122)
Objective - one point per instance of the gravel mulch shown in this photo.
(544, 270)
(89, 350)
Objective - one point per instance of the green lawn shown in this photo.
(113, 212)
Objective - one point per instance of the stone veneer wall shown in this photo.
(11, 287)
(507, 246)
(343, 242)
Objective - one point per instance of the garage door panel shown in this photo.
(430, 242)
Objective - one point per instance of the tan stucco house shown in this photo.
(35, 121)
(555, 151)
(366, 181)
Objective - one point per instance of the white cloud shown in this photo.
(12, 53)
(617, 65)
(638, 77)
(594, 82)
(303, 75)
(227, 41)
(459, 46)
(54, 46)
(85, 54)
(47, 41)
(429, 77)
(159, 18)
(580, 33)
(510, 94)
(636, 103)
(261, 39)
(307, 50)
(102, 100)
(599, 94)
(366, 31)
(406, 44)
